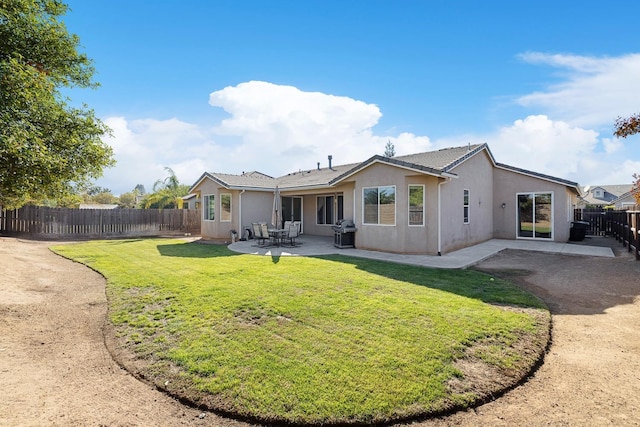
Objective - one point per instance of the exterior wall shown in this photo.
(476, 174)
(400, 237)
(508, 184)
(256, 207)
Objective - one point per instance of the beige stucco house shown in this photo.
(426, 203)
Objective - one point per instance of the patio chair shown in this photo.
(257, 233)
(292, 234)
(264, 231)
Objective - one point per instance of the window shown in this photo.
(535, 215)
(416, 205)
(209, 207)
(225, 207)
(324, 210)
(379, 205)
(465, 205)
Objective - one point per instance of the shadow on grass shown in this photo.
(195, 250)
(467, 283)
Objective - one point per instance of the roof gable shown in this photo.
(436, 163)
(444, 159)
(250, 180)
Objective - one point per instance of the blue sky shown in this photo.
(276, 86)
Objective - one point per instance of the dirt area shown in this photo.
(55, 369)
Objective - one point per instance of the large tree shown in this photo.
(47, 147)
(623, 128)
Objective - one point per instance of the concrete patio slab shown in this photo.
(463, 258)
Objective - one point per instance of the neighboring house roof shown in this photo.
(189, 196)
(436, 163)
(628, 195)
(608, 193)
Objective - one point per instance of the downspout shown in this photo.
(440, 216)
(240, 230)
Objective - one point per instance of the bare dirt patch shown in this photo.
(56, 370)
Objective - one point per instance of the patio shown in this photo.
(319, 245)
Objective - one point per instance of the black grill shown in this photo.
(344, 234)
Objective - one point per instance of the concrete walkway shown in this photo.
(463, 258)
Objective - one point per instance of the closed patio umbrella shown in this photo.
(276, 216)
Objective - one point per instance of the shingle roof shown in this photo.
(611, 192)
(314, 177)
(253, 180)
(439, 163)
(444, 159)
(540, 175)
(623, 196)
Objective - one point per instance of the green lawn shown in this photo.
(310, 340)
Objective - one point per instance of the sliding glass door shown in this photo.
(292, 209)
(535, 215)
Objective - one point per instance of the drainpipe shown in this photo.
(240, 230)
(440, 217)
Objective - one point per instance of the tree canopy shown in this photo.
(47, 147)
(623, 128)
(389, 149)
(167, 193)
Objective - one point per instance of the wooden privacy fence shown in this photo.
(598, 219)
(624, 227)
(62, 223)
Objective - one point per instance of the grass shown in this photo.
(311, 340)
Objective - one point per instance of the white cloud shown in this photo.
(543, 145)
(556, 148)
(612, 145)
(593, 91)
(284, 129)
(272, 128)
(277, 129)
(143, 148)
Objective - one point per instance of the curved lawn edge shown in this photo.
(127, 360)
(479, 378)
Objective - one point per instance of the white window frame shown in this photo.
(230, 207)
(466, 206)
(206, 204)
(552, 220)
(395, 205)
(326, 206)
(409, 205)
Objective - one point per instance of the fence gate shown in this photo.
(598, 219)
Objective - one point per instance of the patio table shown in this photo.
(277, 235)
